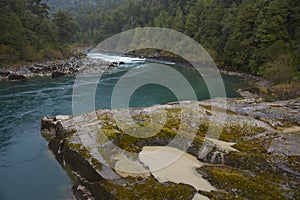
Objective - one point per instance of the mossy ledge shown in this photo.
(265, 164)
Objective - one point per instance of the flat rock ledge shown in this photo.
(256, 156)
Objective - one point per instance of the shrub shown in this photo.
(287, 91)
(29, 53)
(279, 73)
(8, 55)
(51, 54)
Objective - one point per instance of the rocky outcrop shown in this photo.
(56, 69)
(116, 64)
(256, 155)
(47, 69)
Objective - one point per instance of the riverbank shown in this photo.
(256, 155)
(56, 69)
(73, 65)
(53, 69)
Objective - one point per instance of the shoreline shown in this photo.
(245, 75)
(72, 65)
(52, 69)
(56, 69)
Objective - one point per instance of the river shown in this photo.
(28, 171)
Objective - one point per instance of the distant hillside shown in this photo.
(74, 5)
(68, 4)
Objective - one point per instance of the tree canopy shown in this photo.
(243, 35)
(28, 33)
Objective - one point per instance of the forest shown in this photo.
(29, 33)
(255, 36)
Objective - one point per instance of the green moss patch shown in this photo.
(241, 184)
(148, 189)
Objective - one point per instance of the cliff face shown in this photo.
(256, 155)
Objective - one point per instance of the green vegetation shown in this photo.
(149, 188)
(261, 37)
(241, 184)
(29, 34)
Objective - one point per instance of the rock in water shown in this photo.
(57, 74)
(51, 126)
(16, 77)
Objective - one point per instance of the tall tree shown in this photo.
(179, 21)
(240, 46)
(271, 26)
(66, 27)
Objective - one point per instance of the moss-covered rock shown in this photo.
(242, 184)
(244, 163)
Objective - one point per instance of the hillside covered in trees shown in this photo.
(28, 33)
(256, 36)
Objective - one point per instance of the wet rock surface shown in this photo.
(255, 156)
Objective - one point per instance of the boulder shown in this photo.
(113, 64)
(35, 70)
(52, 126)
(5, 73)
(57, 74)
(48, 127)
(16, 77)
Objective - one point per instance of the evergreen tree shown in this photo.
(179, 21)
(66, 27)
(271, 26)
(240, 46)
(192, 23)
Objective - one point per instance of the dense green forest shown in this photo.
(257, 36)
(28, 33)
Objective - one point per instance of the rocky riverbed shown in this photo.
(254, 156)
(56, 69)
